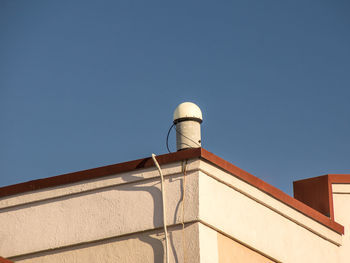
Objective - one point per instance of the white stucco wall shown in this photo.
(144, 247)
(95, 210)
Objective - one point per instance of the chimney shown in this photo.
(188, 119)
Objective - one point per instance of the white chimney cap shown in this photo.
(187, 111)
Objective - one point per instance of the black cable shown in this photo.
(167, 137)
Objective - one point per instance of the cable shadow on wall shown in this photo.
(157, 245)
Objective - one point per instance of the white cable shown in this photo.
(164, 207)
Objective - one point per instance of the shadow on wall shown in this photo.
(155, 238)
(158, 245)
(92, 254)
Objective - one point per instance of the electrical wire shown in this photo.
(164, 207)
(167, 137)
(177, 131)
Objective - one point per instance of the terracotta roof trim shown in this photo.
(273, 191)
(97, 172)
(4, 260)
(170, 158)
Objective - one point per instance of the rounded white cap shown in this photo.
(187, 110)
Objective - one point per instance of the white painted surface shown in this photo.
(187, 110)
(341, 188)
(188, 135)
(260, 227)
(270, 202)
(341, 206)
(208, 245)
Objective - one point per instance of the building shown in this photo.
(215, 213)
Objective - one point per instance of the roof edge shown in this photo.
(4, 260)
(274, 191)
(170, 158)
(97, 172)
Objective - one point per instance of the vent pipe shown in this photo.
(188, 119)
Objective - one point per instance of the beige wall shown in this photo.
(122, 213)
(231, 251)
(341, 204)
(145, 247)
(261, 222)
(195, 243)
(218, 248)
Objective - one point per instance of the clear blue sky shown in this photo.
(89, 83)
